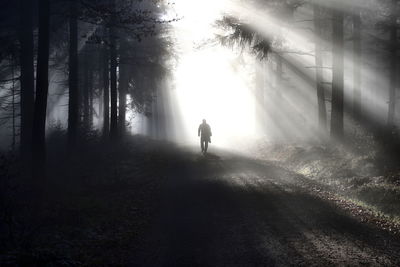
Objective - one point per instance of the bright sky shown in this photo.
(207, 81)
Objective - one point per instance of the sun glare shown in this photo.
(216, 93)
(207, 82)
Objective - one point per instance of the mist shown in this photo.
(199, 133)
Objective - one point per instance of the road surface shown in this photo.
(227, 210)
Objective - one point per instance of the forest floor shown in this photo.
(366, 180)
(148, 203)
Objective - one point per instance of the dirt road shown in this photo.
(226, 210)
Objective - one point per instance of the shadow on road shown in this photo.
(230, 210)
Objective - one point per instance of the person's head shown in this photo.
(204, 121)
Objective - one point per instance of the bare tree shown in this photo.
(337, 130)
(42, 87)
(319, 68)
(113, 75)
(73, 102)
(357, 64)
(393, 30)
(106, 89)
(27, 80)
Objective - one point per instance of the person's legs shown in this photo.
(206, 146)
(202, 144)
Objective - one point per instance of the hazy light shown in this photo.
(209, 88)
(207, 83)
(211, 85)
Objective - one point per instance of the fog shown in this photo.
(218, 83)
(211, 80)
(199, 133)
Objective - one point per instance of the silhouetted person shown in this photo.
(205, 136)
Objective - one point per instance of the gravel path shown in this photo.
(228, 210)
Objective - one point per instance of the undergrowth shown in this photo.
(362, 169)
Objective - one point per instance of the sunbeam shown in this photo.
(209, 82)
(200, 133)
(214, 92)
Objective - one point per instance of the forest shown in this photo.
(200, 133)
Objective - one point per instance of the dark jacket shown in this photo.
(205, 131)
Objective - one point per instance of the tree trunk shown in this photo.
(279, 74)
(91, 93)
(100, 85)
(337, 77)
(319, 70)
(42, 86)
(27, 81)
(113, 77)
(259, 96)
(123, 88)
(161, 114)
(85, 88)
(73, 102)
(393, 66)
(12, 61)
(106, 93)
(357, 65)
(154, 117)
